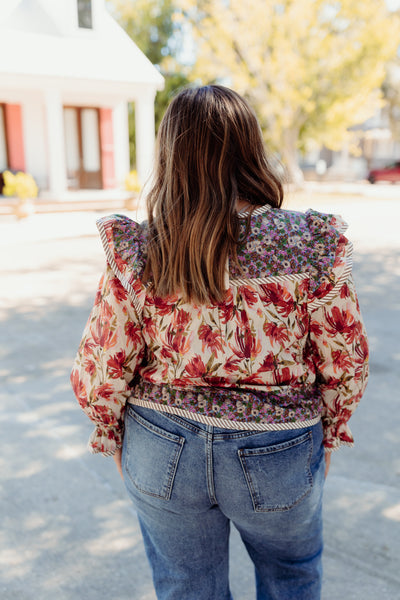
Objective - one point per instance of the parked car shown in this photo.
(389, 173)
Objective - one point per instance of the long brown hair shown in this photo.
(209, 154)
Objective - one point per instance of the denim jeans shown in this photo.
(188, 481)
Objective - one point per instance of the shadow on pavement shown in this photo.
(68, 529)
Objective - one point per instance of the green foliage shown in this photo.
(310, 68)
(153, 27)
(391, 92)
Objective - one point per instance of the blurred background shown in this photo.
(83, 86)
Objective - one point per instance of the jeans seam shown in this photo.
(184, 424)
(210, 467)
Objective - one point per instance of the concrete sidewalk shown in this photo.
(68, 530)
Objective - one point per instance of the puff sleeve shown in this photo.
(112, 345)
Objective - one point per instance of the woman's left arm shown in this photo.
(340, 355)
(112, 347)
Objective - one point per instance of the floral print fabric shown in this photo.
(285, 348)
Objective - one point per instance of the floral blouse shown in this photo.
(286, 348)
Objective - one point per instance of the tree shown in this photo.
(310, 68)
(153, 28)
(391, 93)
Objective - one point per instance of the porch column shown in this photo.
(121, 144)
(57, 170)
(145, 134)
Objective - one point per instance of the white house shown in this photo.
(67, 72)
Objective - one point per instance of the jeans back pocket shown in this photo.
(151, 456)
(278, 476)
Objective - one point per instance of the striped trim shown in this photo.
(270, 279)
(101, 226)
(95, 451)
(344, 276)
(336, 448)
(224, 423)
(259, 211)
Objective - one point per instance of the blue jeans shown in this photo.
(188, 481)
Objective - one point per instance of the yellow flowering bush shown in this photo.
(22, 185)
(132, 182)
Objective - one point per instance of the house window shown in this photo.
(85, 14)
(3, 141)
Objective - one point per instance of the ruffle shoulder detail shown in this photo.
(331, 256)
(124, 243)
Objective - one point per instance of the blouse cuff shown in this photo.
(337, 434)
(105, 442)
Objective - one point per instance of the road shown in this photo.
(68, 529)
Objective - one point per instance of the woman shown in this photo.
(223, 358)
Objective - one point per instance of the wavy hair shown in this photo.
(209, 155)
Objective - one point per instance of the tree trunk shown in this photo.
(290, 158)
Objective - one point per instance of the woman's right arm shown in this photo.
(112, 347)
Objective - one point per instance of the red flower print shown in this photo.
(249, 295)
(248, 346)
(226, 308)
(166, 352)
(277, 294)
(79, 389)
(315, 328)
(88, 348)
(276, 333)
(341, 360)
(340, 322)
(104, 391)
(282, 377)
(106, 311)
(99, 294)
(341, 251)
(362, 350)
(119, 292)
(226, 312)
(164, 306)
(150, 328)
(268, 364)
(210, 339)
(253, 379)
(115, 364)
(303, 286)
(214, 381)
(133, 332)
(231, 365)
(103, 414)
(196, 367)
(103, 336)
(177, 342)
(181, 320)
(323, 289)
(344, 291)
(90, 367)
(121, 264)
(303, 321)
